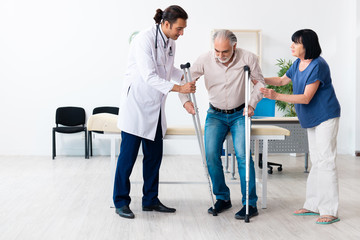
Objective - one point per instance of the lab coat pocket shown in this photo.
(147, 95)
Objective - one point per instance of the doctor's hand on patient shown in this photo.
(189, 106)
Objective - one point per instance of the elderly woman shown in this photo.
(318, 111)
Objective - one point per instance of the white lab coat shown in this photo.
(147, 83)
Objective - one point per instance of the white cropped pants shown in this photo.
(322, 191)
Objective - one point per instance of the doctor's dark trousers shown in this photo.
(129, 148)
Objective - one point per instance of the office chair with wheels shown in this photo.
(266, 108)
(105, 109)
(69, 120)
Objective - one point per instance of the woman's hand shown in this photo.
(269, 93)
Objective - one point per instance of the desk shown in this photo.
(296, 143)
(108, 124)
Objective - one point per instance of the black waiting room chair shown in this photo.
(105, 109)
(69, 120)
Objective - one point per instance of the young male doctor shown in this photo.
(142, 117)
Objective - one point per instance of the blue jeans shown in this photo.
(217, 126)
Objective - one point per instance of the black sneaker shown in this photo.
(220, 206)
(252, 212)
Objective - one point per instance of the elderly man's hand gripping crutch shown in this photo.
(198, 130)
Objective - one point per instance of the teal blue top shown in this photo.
(324, 105)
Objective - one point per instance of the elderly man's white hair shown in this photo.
(225, 34)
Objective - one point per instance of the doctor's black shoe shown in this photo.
(252, 212)
(220, 206)
(125, 212)
(158, 208)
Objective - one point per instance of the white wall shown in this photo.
(58, 53)
(357, 103)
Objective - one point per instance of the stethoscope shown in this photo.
(156, 37)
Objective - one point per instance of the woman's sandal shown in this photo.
(330, 219)
(305, 212)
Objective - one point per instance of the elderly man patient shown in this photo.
(223, 71)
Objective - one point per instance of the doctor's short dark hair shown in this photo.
(309, 39)
(170, 14)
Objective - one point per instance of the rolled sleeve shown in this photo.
(257, 75)
(256, 95)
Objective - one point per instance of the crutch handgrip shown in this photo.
(186, 65)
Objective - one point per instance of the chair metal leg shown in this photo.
(53, 145)
(86, 146)
(269, 165)
(233, 165)
(306, 162)
(226, 155)
(90, 143)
